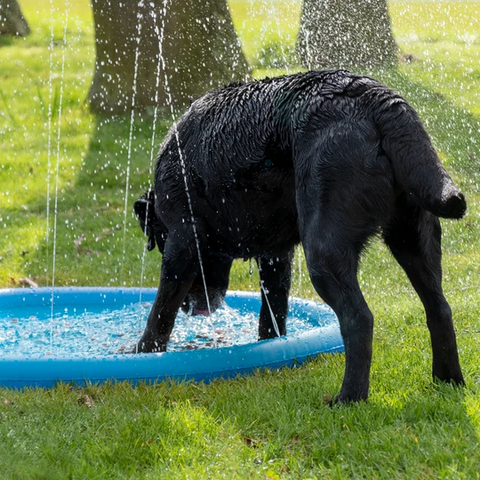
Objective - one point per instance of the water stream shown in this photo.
(130, 133)
(57, 168)
(49, 134)
(153, 147)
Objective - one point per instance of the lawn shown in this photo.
(65, 219)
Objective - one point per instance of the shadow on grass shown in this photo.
(98, 241)
(117, 169)
(6, 40)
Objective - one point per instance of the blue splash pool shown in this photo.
(80, 335)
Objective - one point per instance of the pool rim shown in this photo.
(199, 365)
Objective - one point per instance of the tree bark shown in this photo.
(200, 50)
(12, 21)
(345, 34)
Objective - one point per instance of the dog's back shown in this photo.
(247, 149)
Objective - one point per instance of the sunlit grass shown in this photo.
(272, 424)
(444, 38)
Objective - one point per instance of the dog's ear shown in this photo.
(145, 211)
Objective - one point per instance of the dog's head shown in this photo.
(217, 272)
(150, 224)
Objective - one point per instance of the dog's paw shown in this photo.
(342, 400)
(149, 346)
(455, 380)
(448, 372)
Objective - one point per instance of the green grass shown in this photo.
(272, 424)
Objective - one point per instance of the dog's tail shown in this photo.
(416, 165)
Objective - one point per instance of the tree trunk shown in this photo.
(200, 50)
(12, 21)
(346, 33)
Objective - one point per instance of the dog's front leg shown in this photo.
(161, 319)
(176, 279)
(275, 281)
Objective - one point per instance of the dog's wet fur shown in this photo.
(326, 159)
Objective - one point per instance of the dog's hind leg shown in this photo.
(414, 238)
(179, 266)
(275, 278)
(344, 193)
(332, 264)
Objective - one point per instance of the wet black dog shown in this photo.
(328, 159)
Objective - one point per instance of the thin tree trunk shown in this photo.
(12, 21)
(345, 34)
(200, 50)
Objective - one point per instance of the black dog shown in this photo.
(328, 159)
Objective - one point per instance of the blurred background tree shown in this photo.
(12, 21)
(200, 50)
(346, 34)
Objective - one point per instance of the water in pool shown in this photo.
(103, 331)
